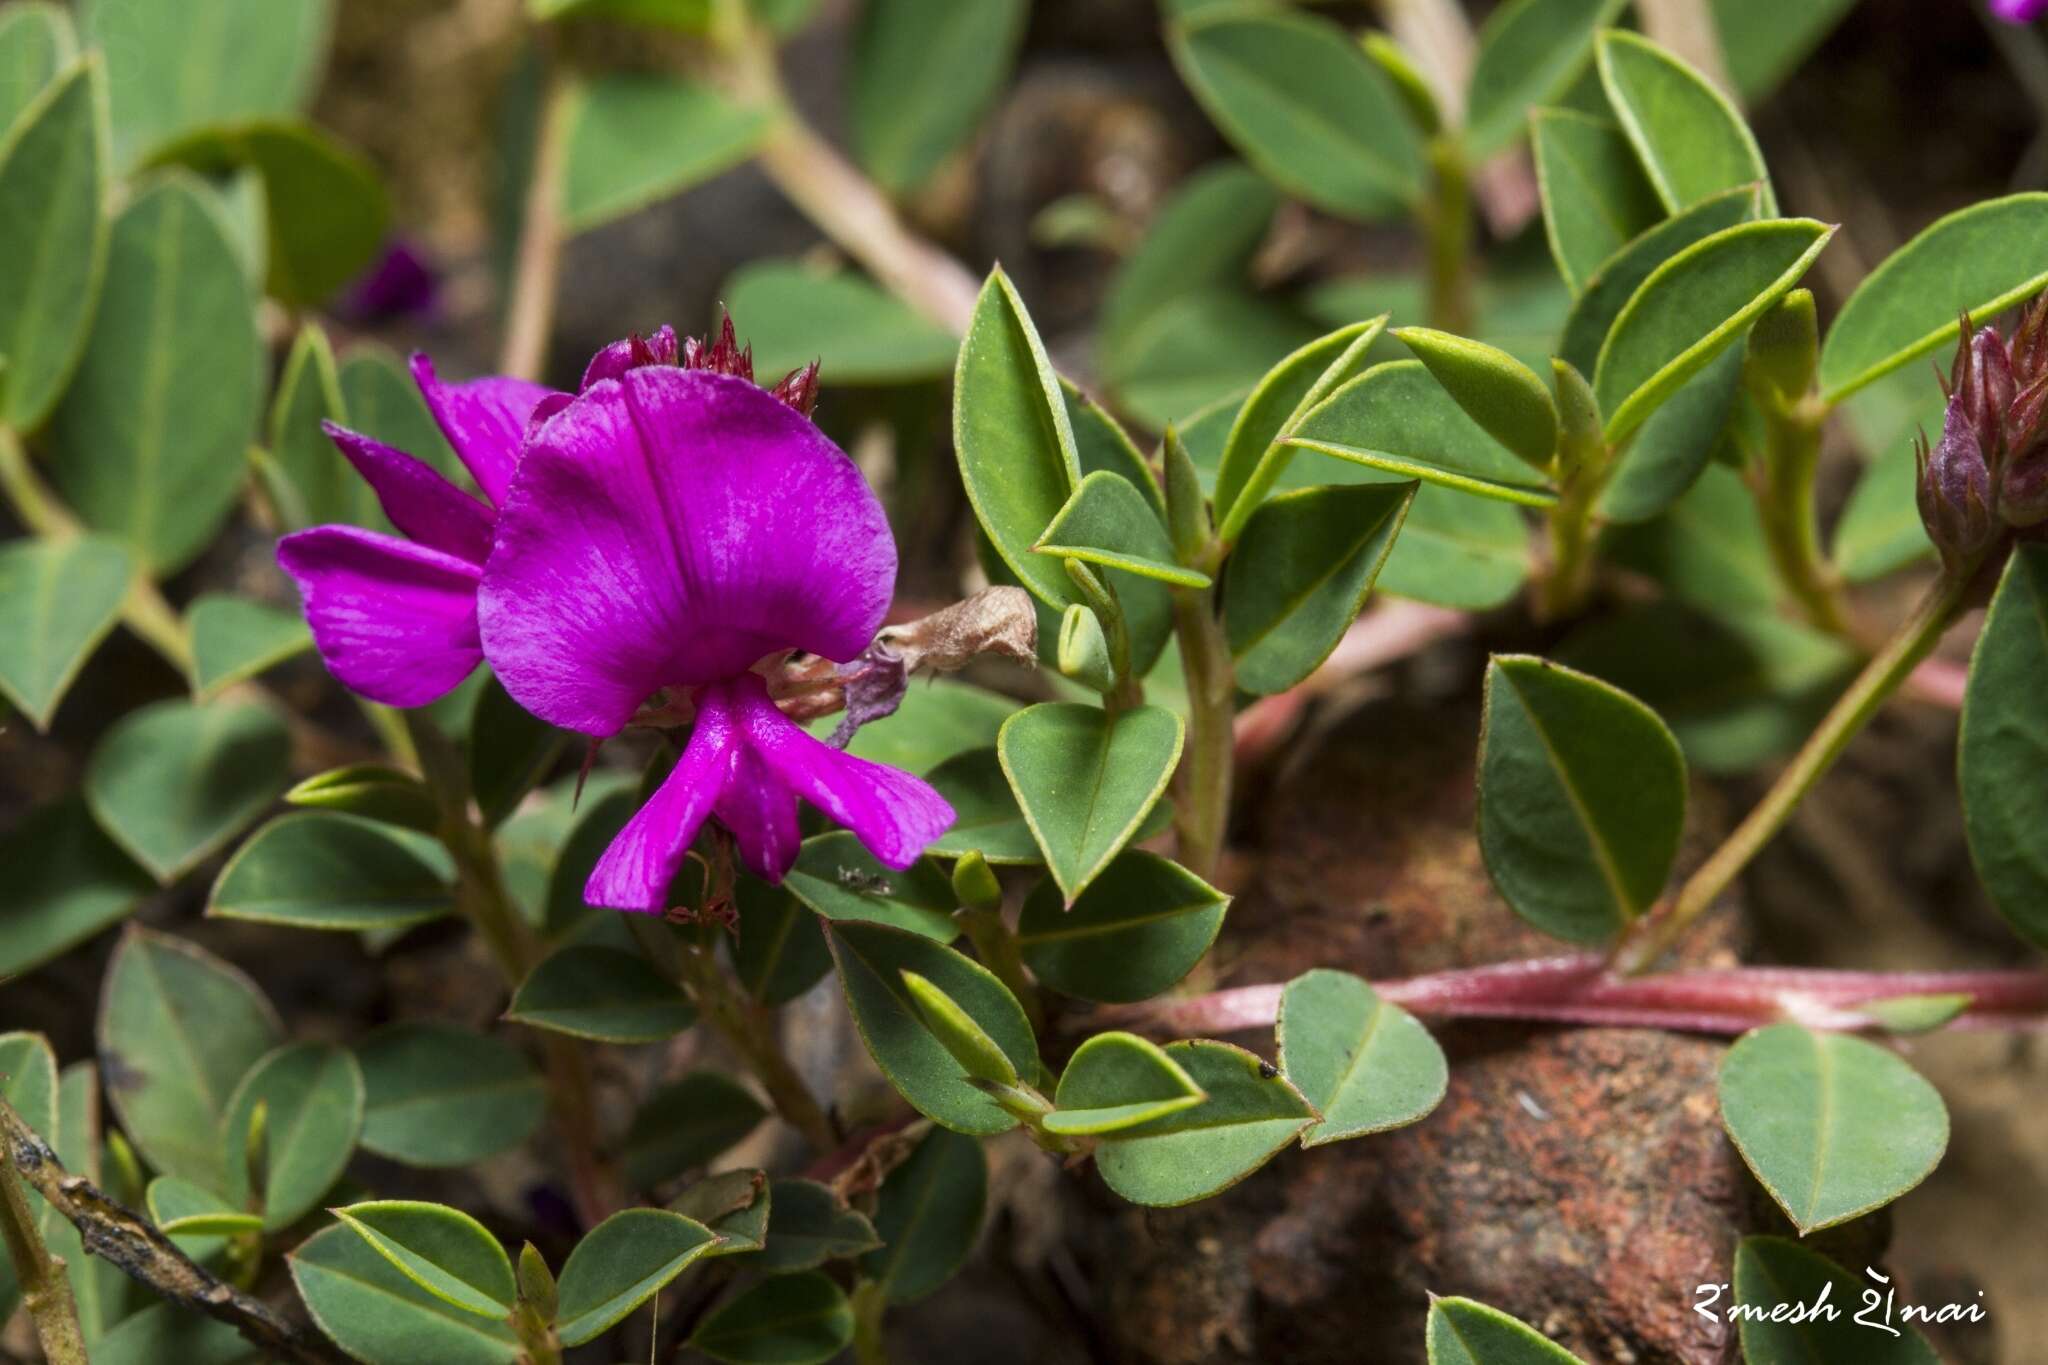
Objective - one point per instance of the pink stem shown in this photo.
(1579, 989)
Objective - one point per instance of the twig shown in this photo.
(530, 307)
(145, 1255)
(45, 1287)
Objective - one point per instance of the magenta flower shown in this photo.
(669, 531)
(2019, 11)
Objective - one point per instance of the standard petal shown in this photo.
(670, 528)
(896, 815)
(418, 500)
(630, 352)
(635, 871)
(761, 814)
(484, 419)
(394, 621)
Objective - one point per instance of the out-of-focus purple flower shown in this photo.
(399, 285)
(669, 530)
(2019, 11)
(1989, 471)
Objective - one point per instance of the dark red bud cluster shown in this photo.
(725, 355)
(1989, 471)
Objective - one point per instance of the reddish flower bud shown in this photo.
(1954, 491)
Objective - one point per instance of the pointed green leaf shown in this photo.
(66, 882)
(684, 1124)
(178, 1029)
(375, 1311)
(1497, 391)
(1458, 551)
(1086, 780)
(1777, 1273)
(2003, 745)
(36, 42)
(173, 782)
(903, 124)
(859, 334)
(1366, 1064)
(872, 959)
(199, 1221)
(442, 1250)
(603, 994)
(1108, 521)
(1831, 1125)
(734, 1204)
(1203, 238)
(1978, 260)
(370, 791)
(1463, 1332)
(1530, 53)
(313, 1096)
(788, 1320)
(1397, 418)
(439, 1096)
(622, 1263)
(1084, 650)
(308, 395)
(1141, 926)
(1251, 1112)
(58, 600)
(1581, 798)
(234, 639)
(969, 1044)
(636, 138)
(1595, 199)
(1253, 458)
(928, 1216)
(1692, 307)
(320, 870)
(1915, 1013)
(1119, 1080)
(837, 877)
(148, 442)
(809, 1224)
(53, 177)
(987, 819)
(1692, 141)
(1305, 106)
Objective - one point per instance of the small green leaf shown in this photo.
(197, 1219)
(928, 1215)
(787, 1320)
(234, 639)
(53, 178)
(1398, 419)
(172, 782)
(978, 1054)
(684, 1124)
(902, 123)
(1203, 238)
(1458, 551)
(1084, 651)
(1775, 1272)
(1143, 925)
(1914, 1013)
(375, 1312)
(28, 1080)
(1251, 1112)
(328, 871)
(1086, 780)
(1464, 1332)
(1692, 307)
(734, 1204)
(322, 485)
(442, 1250)
(837, 877)
(1692, 141)
(606, 995)
(1108, 521)
(1366, 1064)
(383, 402)
(1253, 459)
(1595, 199)
(810, 1224)
(370, 791)
(1116, 1081)
(313, 1098)
(66, 882)
(1831, 1125)
(1581, 798)
(439, 1096)
(1977, 259)
(165, 1331)
(872, 959)
(781, 951)
(1530, 53)
(987, 819)
(1305, 106)
(858, 333)
(1497, 391)
(58, 600)
(2002, 746)
(622, 1263)
(36, 42)
(510, 750)
(634, 139)
(178, 1029)
(148, 442)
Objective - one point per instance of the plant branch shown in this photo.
(536, 271)
(1203, 809)
(1448, 221)
(751, 1033)
(45, 1287)
(145, 1255)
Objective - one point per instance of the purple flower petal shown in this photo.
(394, 621)
(418, 500)
(484, 419)
(671, 528)
(896, 815)
(2019, 11)
(635, 871)
(761, 814)
(629, 353)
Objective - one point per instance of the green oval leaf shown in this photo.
(1142, 926)
(1119, 1080)
(1366, 1064)
(28, 1079)
(787, 1320)
(1775, 1273)
(1465, 1332)
(148, 443)
(1253, 459)
(1458, 551)
(634, 138)
(442, 1250)
(438, 1095)
(382, 402)
(178, 1029)
(809, 1224)
(928, 1216)
(370, 791)
(58, 600)
(1109, 522)
(622, 1263)
(836, 876)
(1305, 105)
(1251, 1112)
(607, 995)
(686, 1124)
(987, 819)
(1530, 53)
(1497, 391)
(901, 122)
(53, 178)
(1831, 1125)
(313, 1096)
(1692, 141)
(858, 333)
(1692, 307)
(374, 1311)
(66, 882)
(172, 782)
(320, 484)
(872, 959)
(1595, 199)
(2004, 743)
(1581, 798)
(234, 639)
(329, 871)
(1979, 259)
(199, 1221)
(1086, 780)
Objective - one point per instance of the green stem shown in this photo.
(1571, 524)
(1914, 640)
(751, 1033)
(536, 271)
(1448, 223)
(1785, 504)
(1203, 809)
(45, 1287)
(997, 948)
(869, 1304)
